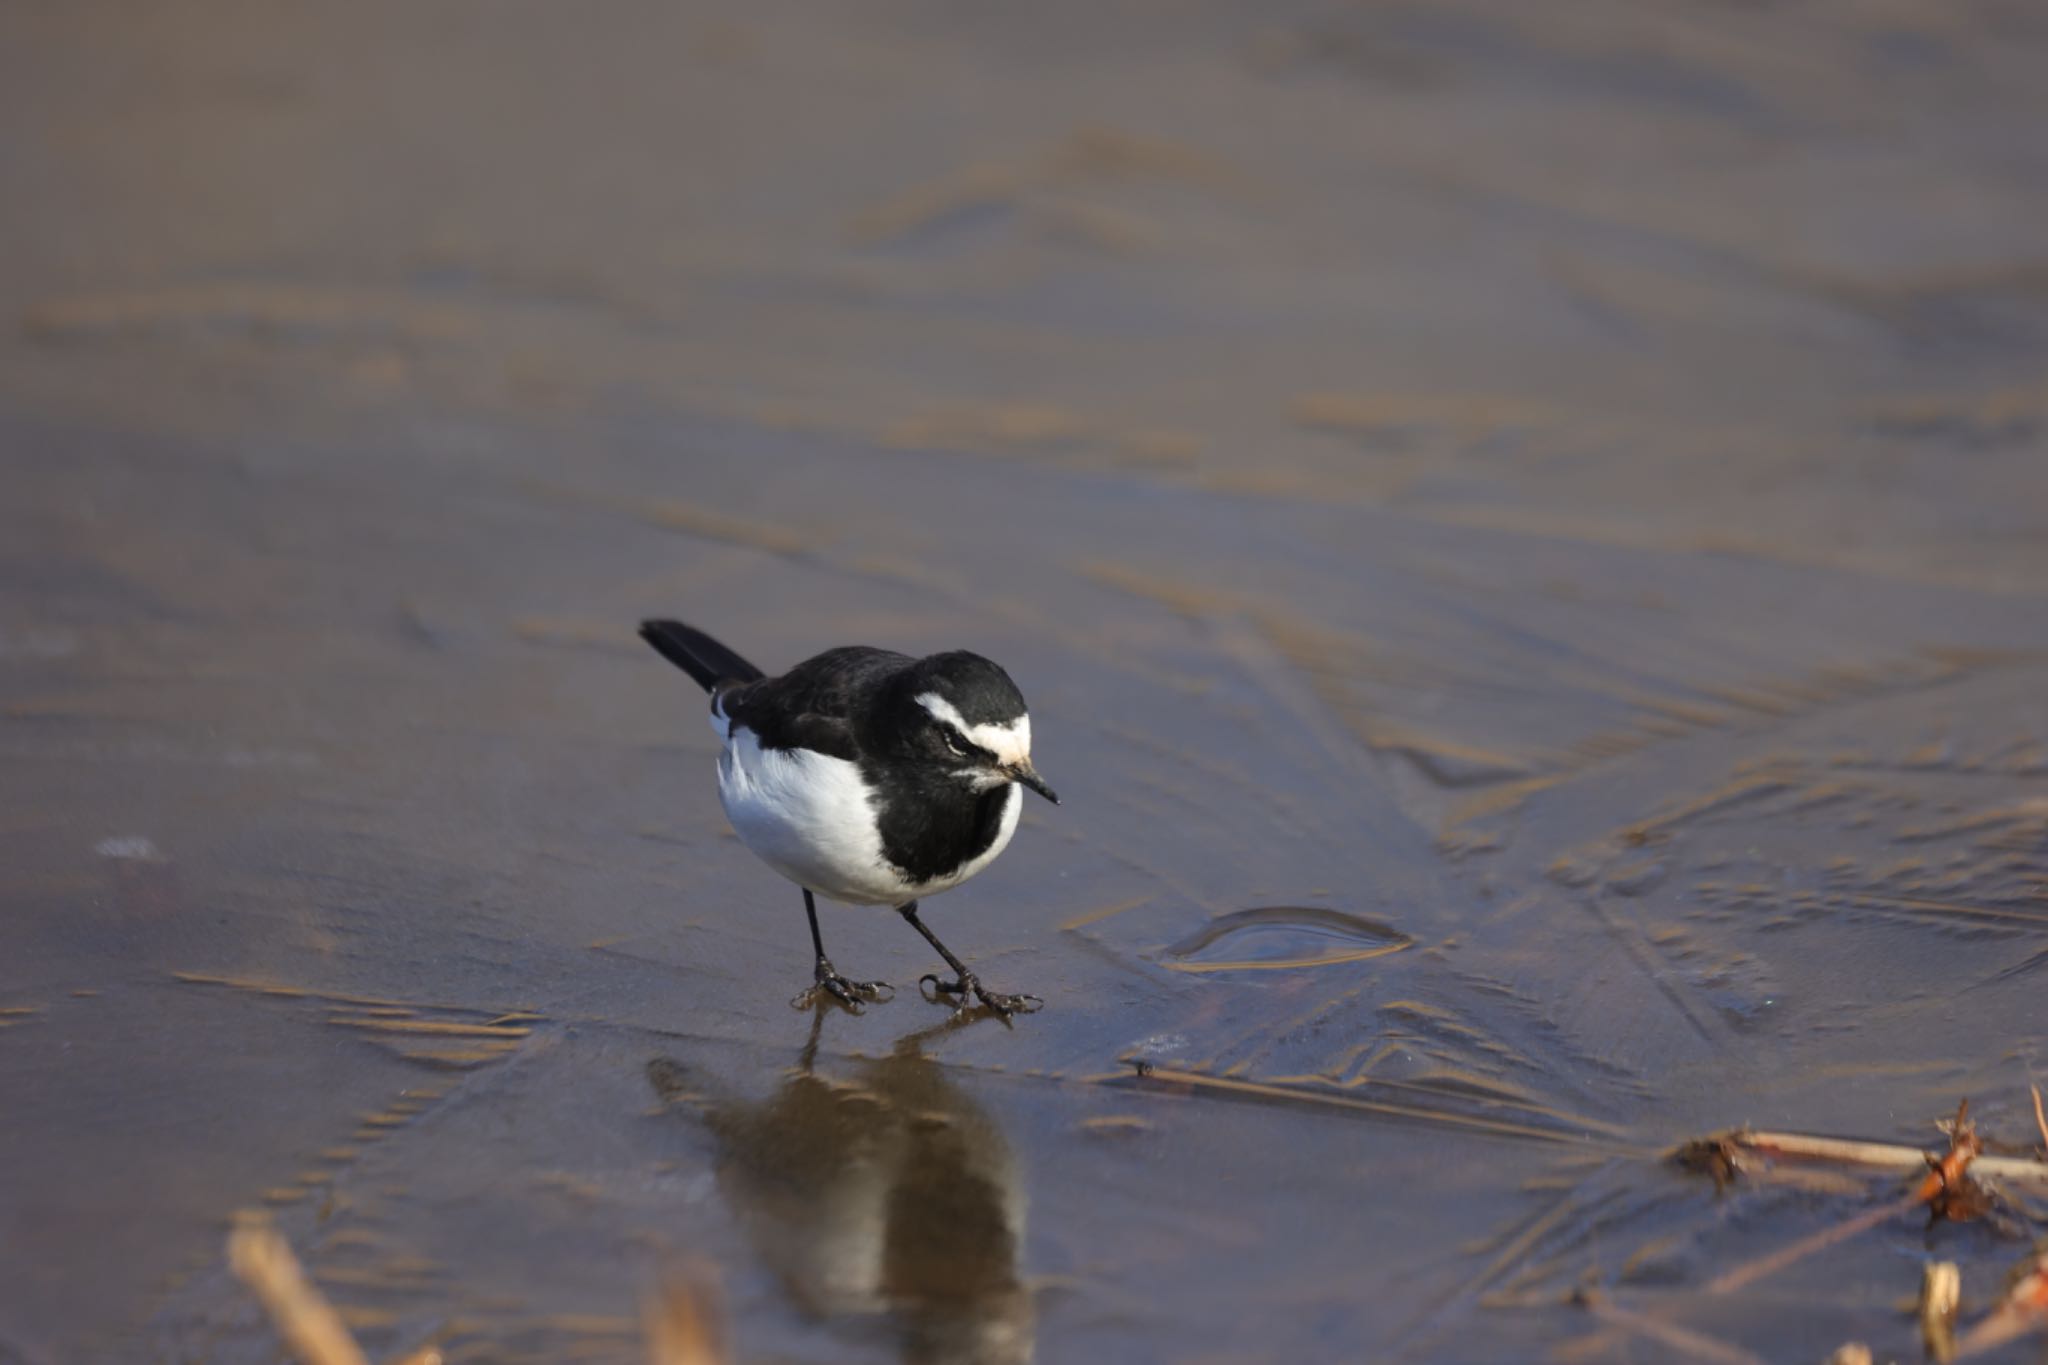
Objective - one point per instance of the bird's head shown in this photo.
(966, 718)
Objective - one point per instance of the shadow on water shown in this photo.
(886, 1192)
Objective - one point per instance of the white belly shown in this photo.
(811, 818)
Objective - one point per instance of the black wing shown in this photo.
(811, 706)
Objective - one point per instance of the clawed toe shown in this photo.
(961, 988)
(852, 994)
(879, 992)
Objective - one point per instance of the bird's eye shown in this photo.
(955, 743)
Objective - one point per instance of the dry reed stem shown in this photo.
(1947, 1189)
(1941, 1295)
(2024, 1309)
(684, 1319)
(1889, 1156)
(263, 1260)
(1745, 1275)
(1683, 1340)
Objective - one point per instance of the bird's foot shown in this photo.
(851, 994)
(969, 985)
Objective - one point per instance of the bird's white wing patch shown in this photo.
(809, 816)
(1010, 742)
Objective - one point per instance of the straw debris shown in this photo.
(683, 1320)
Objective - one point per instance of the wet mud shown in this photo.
(1526, 538)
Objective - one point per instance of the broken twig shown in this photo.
(1947, 1191)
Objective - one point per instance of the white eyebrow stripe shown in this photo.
(1010, 742)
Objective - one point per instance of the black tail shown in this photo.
(697, 654)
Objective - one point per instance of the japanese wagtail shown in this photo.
(868, 777)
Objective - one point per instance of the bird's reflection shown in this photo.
(888, 1191)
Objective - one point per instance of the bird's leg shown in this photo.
(964, 982)
(829, 981)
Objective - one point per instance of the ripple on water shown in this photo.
(1274, 937)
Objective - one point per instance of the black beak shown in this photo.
(1028, 775)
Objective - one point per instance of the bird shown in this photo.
(869, 777)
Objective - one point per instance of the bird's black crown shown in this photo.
(978, 688)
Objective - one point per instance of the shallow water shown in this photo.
(1524, 540)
